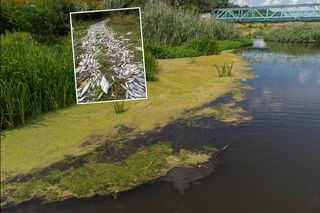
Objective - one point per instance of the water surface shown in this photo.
(273, 164)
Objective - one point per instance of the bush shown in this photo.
(305, 33)
(34, 78)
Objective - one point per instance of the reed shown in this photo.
(225, 70)
(173, 26)
(34, 78)
(118, 107)
(302, 33)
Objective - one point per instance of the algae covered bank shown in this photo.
(118, 153)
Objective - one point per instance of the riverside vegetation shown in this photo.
(302, 33)
(177, 33)
(45, 143)
(35, 78)
(292, 32)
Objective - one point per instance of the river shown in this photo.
(273, 164)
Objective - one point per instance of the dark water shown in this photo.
(273, 164)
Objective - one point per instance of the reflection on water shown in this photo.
(294, 49)
(259, 43)
(272, 166)
(303, 77)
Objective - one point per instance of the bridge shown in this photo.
(275, 13)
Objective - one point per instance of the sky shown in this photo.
(271, 2)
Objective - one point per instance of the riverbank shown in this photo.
(45, 142)
(287, 32)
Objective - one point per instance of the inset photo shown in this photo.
(108, 55)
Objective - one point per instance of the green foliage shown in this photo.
(203, 46)
(194, 48)
(34, 78)
(152, 66)
(45, 20)
(305, 33)
(166, 25)
(118, 107)
(226, 70)
(162, 51)
(6, 24)
(229, 44)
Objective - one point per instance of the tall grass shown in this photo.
(34, 78)
(166, 25)
(152, 66)
(305, 33)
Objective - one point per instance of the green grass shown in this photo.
(304, 33)
(230, 44)
(162, 51)
(225, 70)
(194, 48)
(34, 78)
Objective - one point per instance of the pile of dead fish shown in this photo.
(122, 67)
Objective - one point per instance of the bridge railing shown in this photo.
(297, 12)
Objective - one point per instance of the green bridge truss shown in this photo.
(276, 13)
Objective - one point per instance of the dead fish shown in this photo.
(124, 87)
(105, 85)
(85, 89)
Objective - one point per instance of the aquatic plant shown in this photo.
(118, 107)
(34, 78)
(98, 176)
(225, 70)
